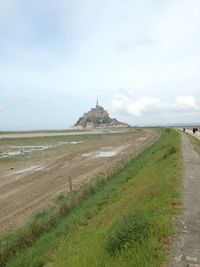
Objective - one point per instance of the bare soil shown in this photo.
(24, 193)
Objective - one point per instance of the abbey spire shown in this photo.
(97, 103)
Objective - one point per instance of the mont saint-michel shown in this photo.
(98, 117)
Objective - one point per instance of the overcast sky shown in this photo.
(140, 58)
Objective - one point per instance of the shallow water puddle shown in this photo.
(73, 142)
(106, 154)
(21, 150)
(109, 152)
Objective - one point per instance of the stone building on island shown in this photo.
(98, 117)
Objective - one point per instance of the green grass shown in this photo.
(143, 195)
(128, 231)
(195, 142)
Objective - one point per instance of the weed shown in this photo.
(170, 151)
(168, 130)
(134, 227)
(195, 142)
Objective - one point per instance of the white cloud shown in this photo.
(180, 106)
(1, 108)
(124, 104)
(186, 103)
(126, 45)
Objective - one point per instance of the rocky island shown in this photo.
(98, 117)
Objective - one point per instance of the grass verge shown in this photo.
(149, 184)
(195, 142)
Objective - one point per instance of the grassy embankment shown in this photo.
(195, 142)
(121, 220)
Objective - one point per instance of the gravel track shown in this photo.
(186, 246)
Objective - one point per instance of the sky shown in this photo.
(140, 58)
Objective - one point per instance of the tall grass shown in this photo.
(148, 183)
(195, 142)
(132, 228)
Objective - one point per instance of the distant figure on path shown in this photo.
(183, 129)
(195, 130)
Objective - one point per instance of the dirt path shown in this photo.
(186, 248)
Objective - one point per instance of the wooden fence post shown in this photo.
(70, 184)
